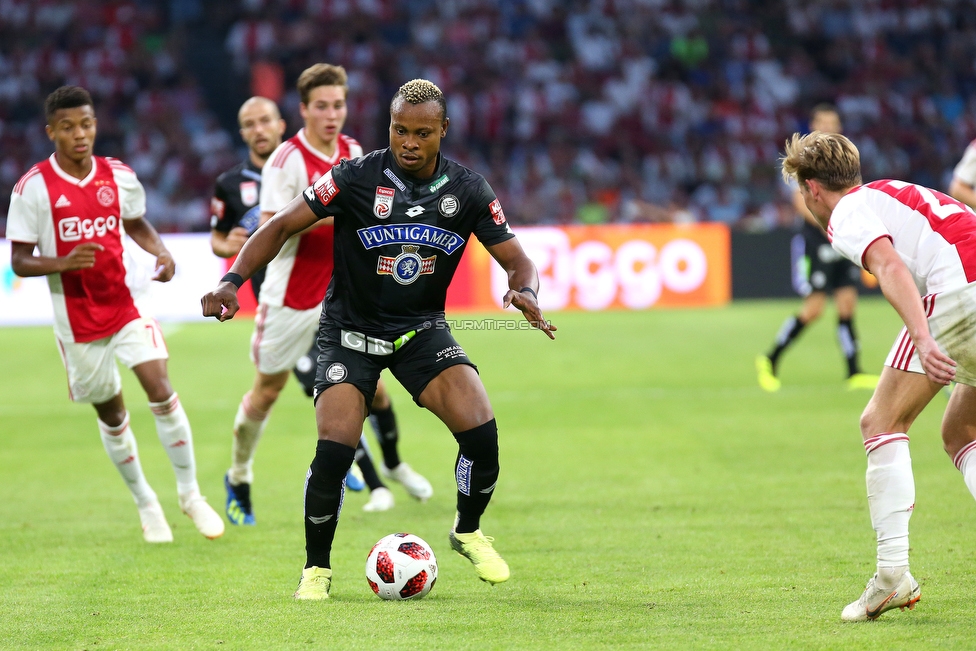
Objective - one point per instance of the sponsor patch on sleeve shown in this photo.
(497, 214)
(217, 208)
(326, 188)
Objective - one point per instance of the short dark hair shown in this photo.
(64, 98)
(420, 91)
(321, 74)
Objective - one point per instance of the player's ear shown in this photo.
(444, 125)
(49, 130)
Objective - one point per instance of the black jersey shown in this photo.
(398, 240)
(235, 203)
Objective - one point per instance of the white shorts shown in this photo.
(952, 322)
(93, 375)
(281, 336)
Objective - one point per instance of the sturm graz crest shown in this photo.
(406, 267)
(448, 205)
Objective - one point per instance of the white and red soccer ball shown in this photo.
(401, 566)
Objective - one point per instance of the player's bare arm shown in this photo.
(148, 239)
(963, 192)
(25, 264)
(265, 216)
(899, 288)
(227, 245)
(260, 249)
(523, 281)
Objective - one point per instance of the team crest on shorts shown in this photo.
(336, 372)
(406, 267)
(448, 205)
(383, 203)
(105, 196)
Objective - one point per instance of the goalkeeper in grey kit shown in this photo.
(402, 218)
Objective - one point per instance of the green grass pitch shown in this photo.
(651, 496)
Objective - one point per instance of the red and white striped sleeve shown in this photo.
(854, 226)
(283, 177)
(132, 196)
(29, 204)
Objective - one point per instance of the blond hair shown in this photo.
(828, 158)
(419, 91)
(321, 74)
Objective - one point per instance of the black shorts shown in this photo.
(414, 365)
(817, 267)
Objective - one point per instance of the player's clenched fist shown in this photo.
(221, 302)
(165, 267)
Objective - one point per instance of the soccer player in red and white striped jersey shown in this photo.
(921, 246)
(73, 208)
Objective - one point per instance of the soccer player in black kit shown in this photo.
(402, 219)
(235, 211)
(235, 214)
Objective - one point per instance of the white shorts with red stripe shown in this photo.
(281, 336)
(952, 322)
(93, 375)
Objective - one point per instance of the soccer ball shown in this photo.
(401, 566)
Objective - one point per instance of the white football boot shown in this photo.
(380, 499)
(206, 520)
(877, 600)
(416, 484)
(155, 529)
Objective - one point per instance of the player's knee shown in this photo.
(159, 390)
(113, 416)
(869, 422)
(264, 396)
(875, 420)
(479, 443)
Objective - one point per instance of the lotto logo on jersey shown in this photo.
(383, 203)
(497, 214)
(73, 229)
(326, 188)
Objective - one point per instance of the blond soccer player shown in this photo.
(921, 246)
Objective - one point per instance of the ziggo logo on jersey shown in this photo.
(72, 229)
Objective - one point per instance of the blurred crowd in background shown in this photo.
(585, 111)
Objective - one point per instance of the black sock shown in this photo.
(476, 472)
(323, 499)
(385, 427)
(848, 343)
(789, 331)
(305, 369)
(365, 463)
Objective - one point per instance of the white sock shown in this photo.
(173, 428)
(249, 425)
(966, 463)
(891, 497)
(120, 444)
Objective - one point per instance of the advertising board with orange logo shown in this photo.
(607, 267)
